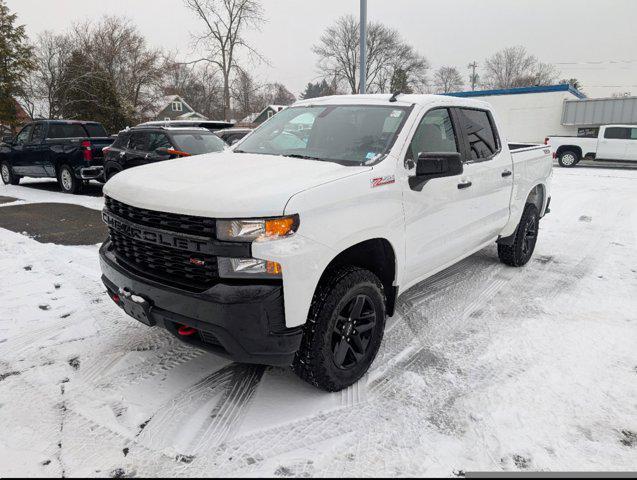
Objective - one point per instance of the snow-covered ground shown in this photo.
(485, 367)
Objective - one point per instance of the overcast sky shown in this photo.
(594, 41)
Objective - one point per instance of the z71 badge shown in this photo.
(379, 182)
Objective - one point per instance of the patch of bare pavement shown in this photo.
(60, 223)
(4, 200)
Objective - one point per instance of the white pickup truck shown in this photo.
(613, 143)
(293, 248)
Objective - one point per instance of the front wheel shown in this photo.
(67, 180)
(568, 159)
(520, 252)
(8, 177)
(344, 330)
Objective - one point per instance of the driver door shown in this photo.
(435, 215)
(18, 158)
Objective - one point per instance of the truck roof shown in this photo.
(68, 122)
(402, 100)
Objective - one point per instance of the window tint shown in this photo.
(38, 133)
(139, 141)
(434, 134)
(633, 133)
(198, 143)
(617, 133)
(66, 130)
(483, 141)
(588, 132)
(95, 130)
(159, 140)
(121, 141)
(23, 136)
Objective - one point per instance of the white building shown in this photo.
(530, 114)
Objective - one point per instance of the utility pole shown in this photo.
(473, 67)
(363, 43)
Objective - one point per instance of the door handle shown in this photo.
(464, 185)
(507, 173)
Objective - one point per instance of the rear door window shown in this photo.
(159, 140)
(633, 133)
(66, 130)
(95, 130)
(39, 130)
(139, 141)
(121, 141)
(483, 139)
(617, 133)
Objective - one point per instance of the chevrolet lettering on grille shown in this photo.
(156, 236)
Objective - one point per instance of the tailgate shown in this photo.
(98, 143)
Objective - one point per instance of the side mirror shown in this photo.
(435, 165)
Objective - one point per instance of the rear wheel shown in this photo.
(67, 180)
(8, 177)
(520, 252)
(568, 159)
(344, 329)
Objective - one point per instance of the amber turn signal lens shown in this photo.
(273, 268)
(279, 227)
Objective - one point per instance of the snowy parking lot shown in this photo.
(484, 367)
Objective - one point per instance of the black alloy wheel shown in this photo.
(353, 332)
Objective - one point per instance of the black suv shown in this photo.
(148, 144)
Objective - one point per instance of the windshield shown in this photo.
(346, 134)
(197, 143)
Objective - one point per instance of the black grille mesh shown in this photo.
(165, 265)
(166, 221)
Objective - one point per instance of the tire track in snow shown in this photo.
(204, 415)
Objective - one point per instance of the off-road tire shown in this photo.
(315, 362)
(8, 177)
(68, 182)
(520, 252)
(568, 159)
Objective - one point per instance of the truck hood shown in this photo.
(223, 185)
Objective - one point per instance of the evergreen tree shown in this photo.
(15, 63)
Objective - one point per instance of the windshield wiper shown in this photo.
(304, 157)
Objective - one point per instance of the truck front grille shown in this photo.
(173, 222)
(194, 272)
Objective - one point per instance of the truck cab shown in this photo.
(292, 248)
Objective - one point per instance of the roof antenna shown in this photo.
(394, 97)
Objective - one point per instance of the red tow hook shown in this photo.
(185, 331)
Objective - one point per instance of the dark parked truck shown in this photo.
(68, 150)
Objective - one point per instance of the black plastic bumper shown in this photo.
(245, 323)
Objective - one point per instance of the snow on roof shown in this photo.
(403, 100)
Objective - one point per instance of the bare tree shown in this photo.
(225, 23)
(447, 80)
(122, 52)
(338, 52)
(199, 84)
(515, 67)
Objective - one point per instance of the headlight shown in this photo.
(257, 230)
(248, 268)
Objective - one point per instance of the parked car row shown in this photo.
(75, 152)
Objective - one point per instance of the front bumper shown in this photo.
(245, 323)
